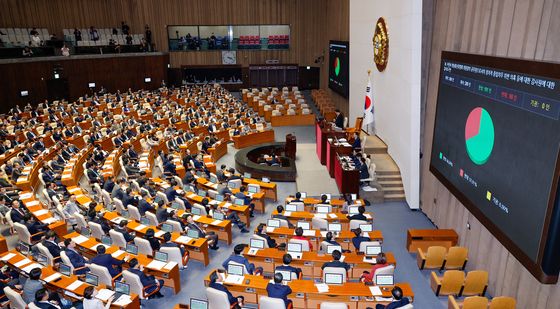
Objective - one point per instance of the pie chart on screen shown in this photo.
(479, 135)
(336, 66)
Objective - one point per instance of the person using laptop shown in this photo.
(247, 199)
(228, 214)
(106, 260)
(381, 261)
(216, 282)
(170, 244)
(121, 228)
(144, 205)
(154, 242)
(91, 302)
(34, 227)
(78, 260)
(279, 215)
(336, 261)
(278, 290)
(299, 236)
(260, 231)
(149, 283)
(238, 257)
(399, 301)
(358, 238)
(359, 216)
(202, 233)
(286, 260)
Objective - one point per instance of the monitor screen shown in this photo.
(122, 288)
(42, 259)
(286, 275)
(161, 256)
(132, 249)
(166, 227)
(218, 216)
(256, 243)
(322, 209)
(335, 227)
(273, 223)
(24, 93)
(147, 80)
(196, 211)
(354, 196)
(304, 225)
(158, 199)
(373, 250)
(353, 210)
(192, 233)
(219, 198)
(124, 214)
(91, 85)
(332, 248)
(213, 179)
(106, 240)
(85, 232)
(198, 304)
(366, 227)
(202, 193)
(264, 179)
(246, 175)
(333, 278)
(239, 201)
(64, 269)
(145, 221)
(176, 205)
(233, 269)
(291, 207)
(253, 189)
(303, 194)
(23, 248)
(384, 280)
(294, 247)
(339, 67)
(92, 279)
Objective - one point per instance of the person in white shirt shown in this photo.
(91, 302)
(35, 40)
(70, 209)
(65, 50)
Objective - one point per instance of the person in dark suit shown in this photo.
(154, 242)
(51, 245)
(77, 259)
(169, 166)
(269, 240)
(279, 215)
(17, 213)
(128, 198)
(92, 174)
(400, 301)
(297, 198)
(42, 300)
(109, 184)
(144, 205)
(336, 261)
(216, 283)
(238, 257)
(34, 227)
(121, 228)
(118, 190)
(286, 260)
(149, 283)
(339, 120)
(360, 215)
(202, 233)
(357, 240)
(169, 244)
(161, 213)
(107, 261)
(278, 290)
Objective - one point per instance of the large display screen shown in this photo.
(338, 67)
(496, 144)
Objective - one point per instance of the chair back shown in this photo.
(354, 224)
(475, 302)
(235, 183)
(304, 244)
(117, 238)
(475, 283)
(144, 246)
(365, 244)
(181, 203)
(96, 230)
(23, 233)
(16, 301)
(201, 208)
(9, 219)
(502, 302)
(387, 270)
(300, 206)
(106, 197)
(174, 255)
(102, 273)
(266, 302)
(452, 282)
(335, 270)
(435, 257)
(119, 207)
(66, 260)
(178, 180)
(163, 197)
(43, 250)
(176, 225)
(217, 299)
(456, 258)
(152, 218)
(133, 280)
(327, 205)
(319, 223)
(134, 213)
(329, 305)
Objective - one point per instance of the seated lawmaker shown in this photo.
(279, 215)
(106, 260)
(77, 259)
(336, 261)
(399, 301)
(278, 290)
(364, 171)
(357, 144)
(299, 236)
(269, 240)
(380, 262)
(170, 244)
(51, 244)
(238, 257)
(358, 239)
(121, 228)
(34, 227)
(286, 260)
(149, 283)
(216, 283)
(359, 216)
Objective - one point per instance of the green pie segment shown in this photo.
(479, 145)
(336, 66)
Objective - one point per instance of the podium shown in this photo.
(323, 131)
(290, 148)
(335, 148)
(347, 179)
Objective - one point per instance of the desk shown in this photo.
(218, 151)
(3, 245)
(333, 217)
(257, 198)
(334, 148)
(344, 238)
(425, 238)
(269, 188)
(322, 133)
(355, 294)
(74, 169)
(242, 141)
(292, 120)
(337, 204)
(347, 179)
(41, 214)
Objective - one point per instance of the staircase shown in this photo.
(387, 171)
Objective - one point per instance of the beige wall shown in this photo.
(528, 29)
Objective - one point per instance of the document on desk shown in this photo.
(30, 267)
(159, 233)
(140, 227)
(169, 265)
(32, 203)
(370, 260)
(226, 205)
(333, 216)
(324, 233)
(25, 261)
(52, 277)
(342, 257)
(192, 195)
(383, 299)
(214, 202)
(49, 220)
(94, 247)
(321, 287)
(117, 253)
(321, 216)
(80, 239)
(74, 285)
(183, 239)
(368, 216)
(269, 229)
(233, 279)
(25, 196)
(287, 213)
(196, 217)
(41, 212)
(375, 290)
(7, 257)
(365, 234)
(155, 264)
(104, 294)
(216, 222)
(122, 301)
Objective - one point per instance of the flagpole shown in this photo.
(367, 125)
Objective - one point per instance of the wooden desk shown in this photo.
(334, 148)
(269, 188)
(292, 120)
(3, 245)
(333, 217)
(218, 151)
(311, 262)
(425, 238)
(347, 180)
(42, 214)
(322, 134)
(355, 294)
(74, 169)
(344, 238)
(242, 141)
(256, 198)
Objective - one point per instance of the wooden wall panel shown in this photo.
(526, 29)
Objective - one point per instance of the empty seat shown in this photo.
(476, 283)
(473, 302)
(456, 258)
(450, 284)
(432, 259)
(502, 302)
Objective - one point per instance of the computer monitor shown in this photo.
(214, 179)
(322, 209)
(166, 227)
(132, 249)
(291, 207)
(23, 248)
(124, 214)
(64, 269)
(286, 275)
(303, 194)
(198, 304)
(187, 188)
(295, 247)
(256, 243)
(273, 223)
(373, 250)
(219, 198)
(253, 189)
(199, 174)
(246, 175)
(192, 233)
(233, 269)
(121, 287)
(334, 227)
(239, 201)
(85, 231)
(42, 259)
(24, 93)
(161, 256)
(218, 216)
(202, 193)
(196, 211)
(158, 199)
(384, 280)
(91, 85)
(366, 227)
(106, 240)
(353, 210)
(92, 279)
(145, 221)
(175, 205)
(354, 196)
(265, 179)
(332, 248)
(147, 79)
(304, 225)
(331, 278)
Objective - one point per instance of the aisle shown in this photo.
(312, 177)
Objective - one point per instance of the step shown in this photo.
(374, 145)
(388, 178)
(388, 173)
(394, 197)
(394, 191)
(390, 183)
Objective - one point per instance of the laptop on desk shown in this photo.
(92, 279)
(295, 250)
(121, 289)
(234, 274)
(255, 245)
